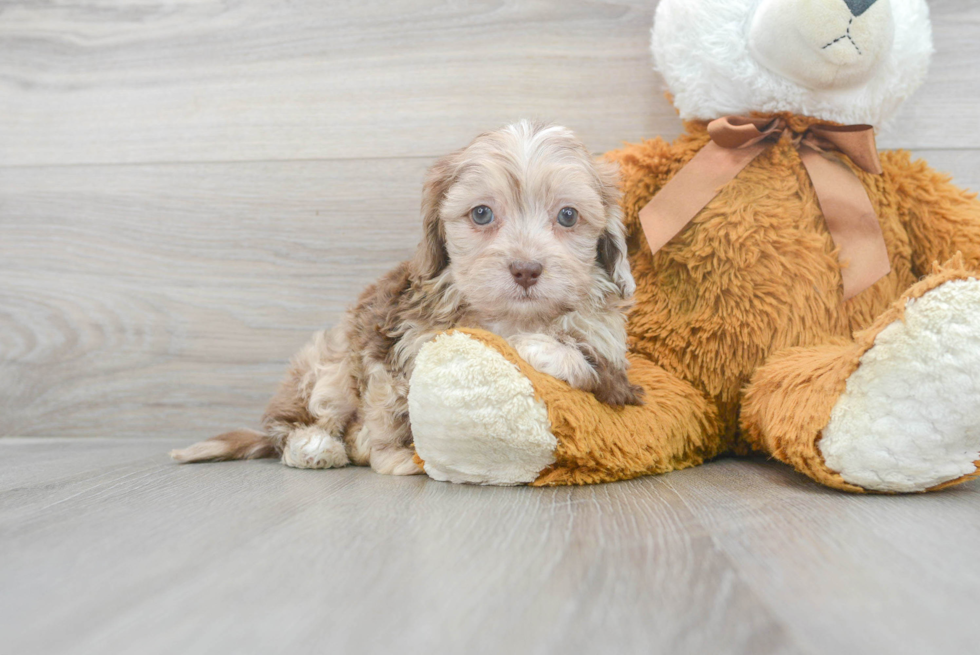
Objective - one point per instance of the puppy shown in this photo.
(522, 236)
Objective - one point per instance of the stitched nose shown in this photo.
(858, 7)
(526, 274)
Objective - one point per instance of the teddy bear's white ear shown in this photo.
(847, 61)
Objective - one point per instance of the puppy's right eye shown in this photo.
(482, 215)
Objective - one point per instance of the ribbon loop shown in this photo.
(743, 131)
(736, 141)
(855, 141)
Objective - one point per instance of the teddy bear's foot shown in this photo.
(909, 419)
(475, 417)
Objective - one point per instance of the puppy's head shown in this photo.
(526, 222)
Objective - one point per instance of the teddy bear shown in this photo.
(798, 294)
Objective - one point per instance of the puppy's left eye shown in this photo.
(567, 216)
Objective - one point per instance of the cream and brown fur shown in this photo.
(345, 398)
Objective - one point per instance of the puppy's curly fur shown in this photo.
(345, 398)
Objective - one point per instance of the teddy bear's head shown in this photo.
(847, 61)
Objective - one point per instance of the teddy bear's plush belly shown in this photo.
(756, 271)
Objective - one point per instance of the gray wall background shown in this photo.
(189, 188)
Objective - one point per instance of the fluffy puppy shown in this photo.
(522, 236)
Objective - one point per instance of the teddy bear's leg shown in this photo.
(896, 410)
(482, 415)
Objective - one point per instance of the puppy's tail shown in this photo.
(237, 444)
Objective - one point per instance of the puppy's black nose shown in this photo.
(526, 274)
(858, 7)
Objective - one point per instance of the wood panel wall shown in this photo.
(189, 188)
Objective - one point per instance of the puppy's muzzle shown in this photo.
(526, 274)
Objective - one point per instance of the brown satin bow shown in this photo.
(736, 141)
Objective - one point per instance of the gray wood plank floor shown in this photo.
(108, 547)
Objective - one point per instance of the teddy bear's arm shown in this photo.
(483, 415)
(676, 427)
(644, 168)
(940, 218)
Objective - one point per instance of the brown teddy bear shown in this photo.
(795, 296)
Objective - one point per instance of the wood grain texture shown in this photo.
(166, 300)
(210, 80)
(124, 551)
(867, 574)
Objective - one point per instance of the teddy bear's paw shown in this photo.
(312, 448)
(474, 415)
(909, 419)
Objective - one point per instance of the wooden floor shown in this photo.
(108, 547)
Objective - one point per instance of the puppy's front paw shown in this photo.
(614, 388)
(559, 360)
(312, 448)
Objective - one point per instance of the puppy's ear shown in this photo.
(611, 255)
(431, 256)
(611, 251)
